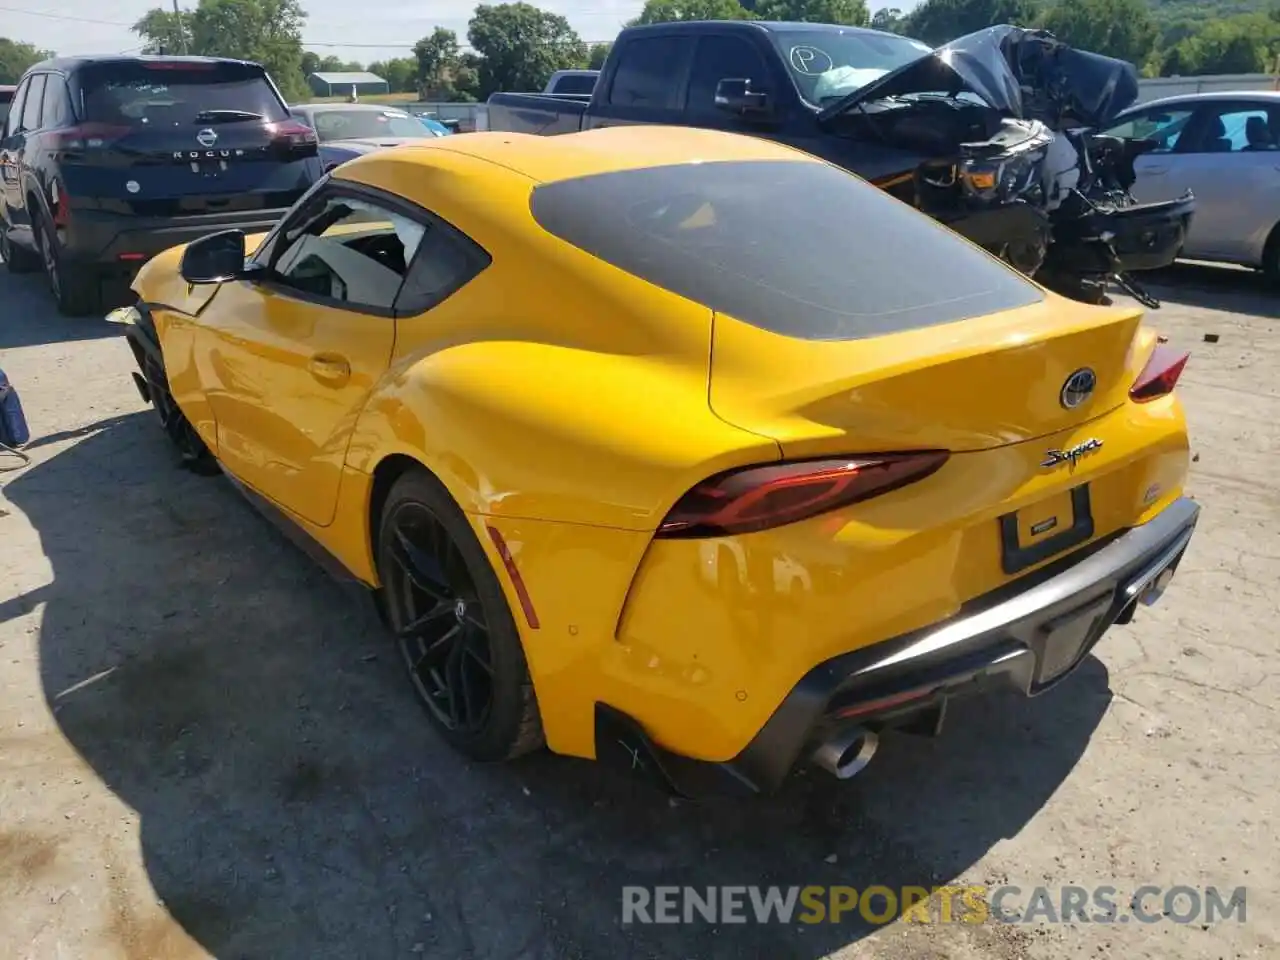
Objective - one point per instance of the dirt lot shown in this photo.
(207, 749)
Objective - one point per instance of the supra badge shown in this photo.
(1078, 388)
(1071, 455)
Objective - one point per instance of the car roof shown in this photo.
(605, 150)
(1210, 96)
(330, 107)
(766, 26)
(69, 64)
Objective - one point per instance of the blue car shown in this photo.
(434, 125)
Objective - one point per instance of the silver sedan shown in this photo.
(348, 130)
(1225, 148)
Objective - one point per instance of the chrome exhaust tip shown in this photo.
(846, 752)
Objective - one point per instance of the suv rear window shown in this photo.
(795, 247)
(138, 93)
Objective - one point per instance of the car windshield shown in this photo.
(830, 64)
(365, 124)
(164, 93)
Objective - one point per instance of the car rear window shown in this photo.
(799, 248)
(575, 83)
(165, 93)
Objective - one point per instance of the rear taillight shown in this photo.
(1160, 375)
(292, 133)
(743, 501)
(88, 136)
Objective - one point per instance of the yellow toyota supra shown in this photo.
(675, 449)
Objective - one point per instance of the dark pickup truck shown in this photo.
(992, 134)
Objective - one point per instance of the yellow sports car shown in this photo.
(674, 448)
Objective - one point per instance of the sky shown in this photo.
(333, 26)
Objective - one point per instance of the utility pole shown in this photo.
(177, 21)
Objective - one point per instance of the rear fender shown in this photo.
(553, 445)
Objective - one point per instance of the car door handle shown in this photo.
(1142, 170)
(329, 369)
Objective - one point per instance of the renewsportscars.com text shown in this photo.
(951, 904)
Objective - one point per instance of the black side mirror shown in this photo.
(736, 96)
(216, 258)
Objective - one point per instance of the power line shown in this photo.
(63, 17)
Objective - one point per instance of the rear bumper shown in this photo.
(98, 238)
(1026, 637)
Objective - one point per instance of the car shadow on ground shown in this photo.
(1213, 286)
(27, 296)
(294, 802)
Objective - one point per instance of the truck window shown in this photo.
(648, 73)
(796, 247)
(579, 84)
(724, 58)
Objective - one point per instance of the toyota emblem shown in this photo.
(206, 137)
(1078, 388)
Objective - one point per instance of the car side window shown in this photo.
(724, 58)
(446, 260)
(13, 122)
(1165, 126)
(57, 103)
(31, 109)
(649, 73)
(349, 250)
(1233, 128)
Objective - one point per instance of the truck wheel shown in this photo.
(76, 292)
(16, 259)
(453, 626)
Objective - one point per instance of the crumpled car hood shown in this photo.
(1025, 74)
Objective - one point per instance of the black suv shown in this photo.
(107, 161)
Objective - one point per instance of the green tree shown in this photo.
(1240, 44)
(666, 11)
(851, 12)
(163, 31)
(520, 46)
(266, 31)
(940, 21)
(310, 62)
(401, 74)
(435, 55)
(597, 55)
(1116, 28)
(888, 19)
(15, 57)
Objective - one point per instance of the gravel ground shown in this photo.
(206, 749)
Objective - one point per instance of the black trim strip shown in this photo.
(1015, 558)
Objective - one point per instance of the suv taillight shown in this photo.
(1160, 375)
(756, 498)
(88, 136)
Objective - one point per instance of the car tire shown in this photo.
(76, 293)
(452, 624)
(16, 259)
(1271, 260)
(193, 454)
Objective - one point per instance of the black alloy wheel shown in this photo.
(452, 625)
(441, 627)
(76, 294)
